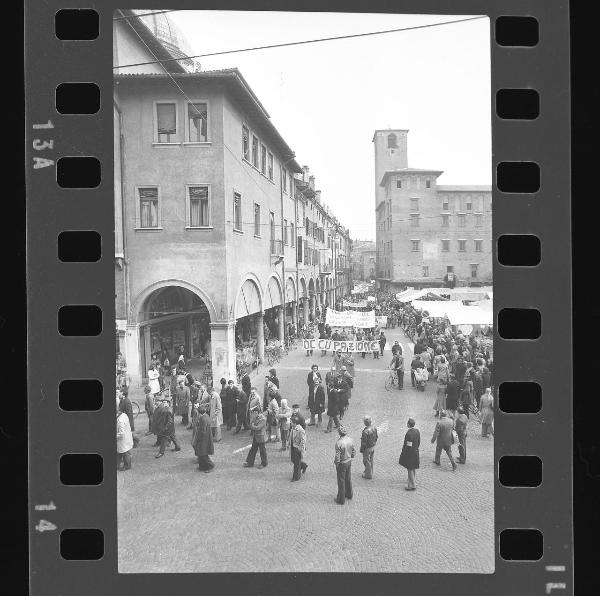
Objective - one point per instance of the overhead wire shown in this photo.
(146, 14)
(304, 42)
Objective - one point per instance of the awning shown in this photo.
(272, 294)
(456, 312)
(290, 291)
(248, 301)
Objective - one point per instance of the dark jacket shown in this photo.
(332, 405)
(341, 390)
(241, 400)
(443, 432)
(311, 386)
(163, 423)
(202, 440)
(368, 438)
(460, 425)
(258, 426)
(318, 402)
(409, 458)
(246, 384)
(452, 394)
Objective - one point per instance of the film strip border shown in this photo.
(71, 307)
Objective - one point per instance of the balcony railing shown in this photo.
(277, 247)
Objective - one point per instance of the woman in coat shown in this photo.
(486, 406)
(124, 439)
(283, 417)
(153, 382)
(409, 457)
(202, 440)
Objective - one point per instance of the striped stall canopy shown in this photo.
(272, 294)
(248, 301)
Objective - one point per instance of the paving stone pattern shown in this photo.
(173, 518)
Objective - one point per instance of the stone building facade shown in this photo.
(427, 234)
(211, 208)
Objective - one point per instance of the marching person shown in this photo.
(382, 342)
(368, 440)
(272, 420)
(344, 452)
(297, 449)
(149, 407)
(202, 438)
(333, 410)
(128, 409)
(318, 404)
(442, 436)
(311, 379)
(182, 399)
(124, 439)
(409, 457)
(240, 400)
(460, 426)
(215, 413)
(165, 428)
(486, 405)
(397, 365)
(283, 416)
(258, 425)
(452, 395)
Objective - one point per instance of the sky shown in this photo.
(327, 99)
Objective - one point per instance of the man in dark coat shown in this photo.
(340, 390)
(225, 403)
(202, 440)
(409, 457)
(460, 426)
(452, 394)
(442, 436)
(382, 342)
(313, 375)
(241, 405)
(164, 428)
(333, 411)
(460, 368)
(246, 384)
(317, 403)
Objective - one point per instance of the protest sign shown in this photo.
(381, 320)
(340, 346)
(350, 318)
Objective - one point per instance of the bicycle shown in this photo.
(392, 380)
(136, 408)
(474, 412)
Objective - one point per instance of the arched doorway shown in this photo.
(273, 310)
(249, 325)
(290, 303)
(174, 320)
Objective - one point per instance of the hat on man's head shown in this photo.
(295, 406)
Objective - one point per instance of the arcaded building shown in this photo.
(427, 234)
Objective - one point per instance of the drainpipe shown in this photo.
(281, 167)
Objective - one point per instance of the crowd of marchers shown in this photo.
(461, 366)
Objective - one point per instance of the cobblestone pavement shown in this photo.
(173, 518)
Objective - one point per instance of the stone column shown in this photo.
(132, 354)
(281, 315)
(222, 341)
(190, 336)
(313, 301)
(305, 309)
(147, 351)
(295, 314)
(260, 336)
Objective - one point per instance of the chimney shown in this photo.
(311, 182)
(305, 171)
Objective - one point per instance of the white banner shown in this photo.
(357, 304)
(381, 320)
(371, 298)
(340, 346)
(350, 318)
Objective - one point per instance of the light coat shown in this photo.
(124, 434)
